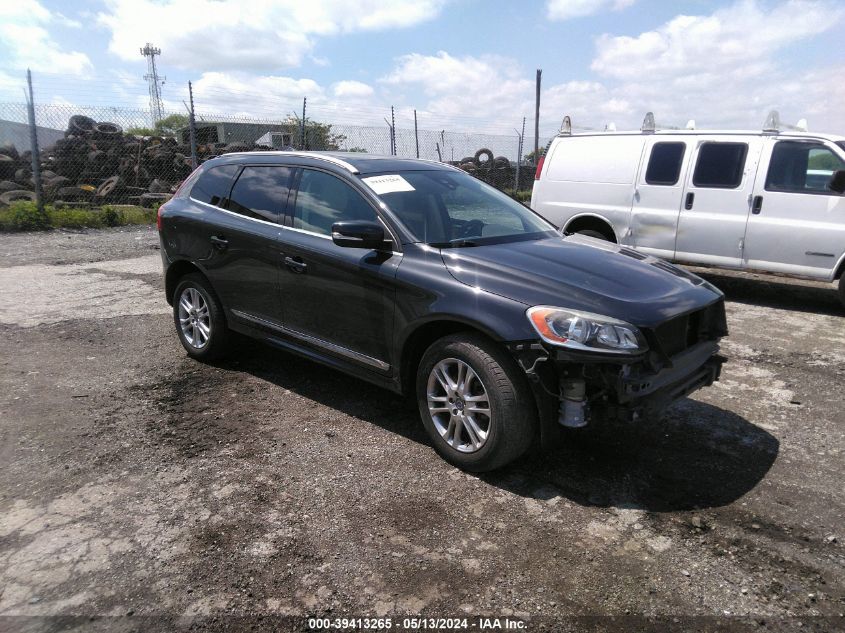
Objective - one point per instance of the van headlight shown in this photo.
(586, 331)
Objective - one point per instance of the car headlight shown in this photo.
(586, 331)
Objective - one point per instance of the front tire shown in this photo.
(593, 233)
(475, 403)
(199, 319)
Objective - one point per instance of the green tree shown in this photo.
(168, 126)
(318, 136)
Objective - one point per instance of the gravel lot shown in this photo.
(141, 490)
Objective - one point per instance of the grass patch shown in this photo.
(24, 216)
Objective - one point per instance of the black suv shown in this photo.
(418, 277)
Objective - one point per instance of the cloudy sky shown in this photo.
(463, 64)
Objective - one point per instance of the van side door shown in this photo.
(717, 200)
(658, 195)
(797, 224)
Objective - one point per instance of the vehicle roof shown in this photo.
(784, 134)
(352, 162)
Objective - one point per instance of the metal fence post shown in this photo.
(302, 125)
(193, 127)
(33, 145)
(416, 134)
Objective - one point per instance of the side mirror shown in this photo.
(358, 234)
(837, 181)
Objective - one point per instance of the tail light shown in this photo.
(539, 167)
(158, 218)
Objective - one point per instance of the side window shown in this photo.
(323, 199)
(214, 184)
(720, 165)
(261, 192)
(801, 167)
(664, 165)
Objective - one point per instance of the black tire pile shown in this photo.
(97, 163)
(496, 171)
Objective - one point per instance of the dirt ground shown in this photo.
(140, 489)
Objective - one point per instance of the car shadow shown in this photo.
(696, 456)
(776, 292)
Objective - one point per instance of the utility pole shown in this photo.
(153, 81)
(33, 143)
(519, 153)
(537, 118)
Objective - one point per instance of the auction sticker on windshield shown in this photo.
(388, 184)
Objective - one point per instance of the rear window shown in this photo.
(261, 192)
(664, 165)
(214, 184)
(720, 165)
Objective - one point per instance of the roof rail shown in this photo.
(318, 155)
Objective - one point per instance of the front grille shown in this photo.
(682, 332)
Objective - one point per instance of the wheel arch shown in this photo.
(418, 340)
(592, 221)
(175, 272)
(840, 269)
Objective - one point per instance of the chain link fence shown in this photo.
(93, 156)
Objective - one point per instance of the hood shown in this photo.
(585, 274)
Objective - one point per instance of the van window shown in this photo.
(664, 165)
(323, 199)
(596, 159)
(261, 192)
(801, 167)
(720, 165)
(214, 184)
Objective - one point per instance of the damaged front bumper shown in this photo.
(574, 390)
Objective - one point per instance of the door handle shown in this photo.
(219, 242)
(757, 205)
(296, 264)
(689, 201)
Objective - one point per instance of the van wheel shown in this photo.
(593, 233)
(842, 289)
(198, 316)
(475, 403)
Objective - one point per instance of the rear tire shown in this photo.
(452, 403)
(199, 319)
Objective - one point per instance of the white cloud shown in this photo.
(735, 36)
(226, 35)
(24, 34)
(352, 90)
(485, 88)
(725, 69)
(568, 9)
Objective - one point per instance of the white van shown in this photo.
(766, 201)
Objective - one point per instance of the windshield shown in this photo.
(451, 209)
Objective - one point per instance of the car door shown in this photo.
(797, 225)
(658, 195)
(244, 241)
(339, 300)
(716, 201)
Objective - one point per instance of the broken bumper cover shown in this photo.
(639, 392)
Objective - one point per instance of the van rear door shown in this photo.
(657, 198)
(717, 200)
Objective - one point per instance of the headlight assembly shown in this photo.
(586, 331)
